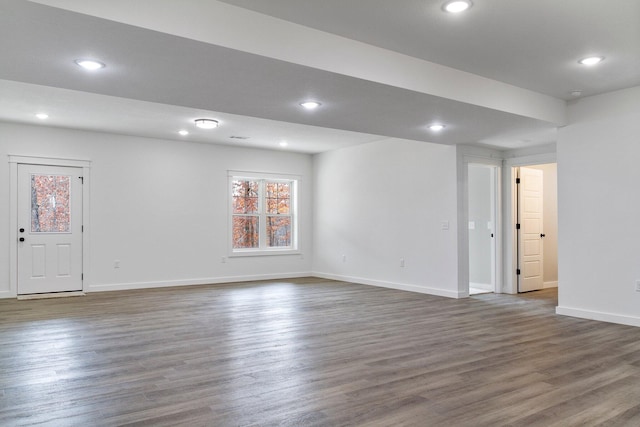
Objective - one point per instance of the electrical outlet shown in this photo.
(223, 259)
(401, 262)
(116, 263)
(344, 258)
(637, 285)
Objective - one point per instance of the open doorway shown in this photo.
(482, 210)
(535, 212)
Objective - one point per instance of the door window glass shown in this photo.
(50, 204)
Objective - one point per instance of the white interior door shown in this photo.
(481, 210)
(49, 229)
(530, 198)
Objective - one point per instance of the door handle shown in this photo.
(22, 230)
(542, 234)
(21, 239)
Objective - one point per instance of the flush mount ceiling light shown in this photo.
(310, 105)
(183, 132)
(591, 60)
(42, 116)
(89, 64)
(207, 123)
(575, 93)
(436, 127)
(457, 6)
(283, 143)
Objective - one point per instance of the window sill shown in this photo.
(273, 252)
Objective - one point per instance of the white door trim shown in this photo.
(14, 161)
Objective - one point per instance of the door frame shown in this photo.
(510, 284)
(495, 212)
(14, 161)
(467, 155)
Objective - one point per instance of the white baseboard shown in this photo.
(483, 286)
(192, 282)
(597, 315)
(7, 294)
(546, 285)
(392, 285)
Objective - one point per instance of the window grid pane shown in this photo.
(279, 231)
(246, 232)
(246, 196)
(278, 197)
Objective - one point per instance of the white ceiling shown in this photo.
(102, 113)
(533, 44)
(377, 67)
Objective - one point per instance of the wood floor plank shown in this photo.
(311, 352)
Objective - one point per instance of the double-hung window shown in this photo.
(263, 214)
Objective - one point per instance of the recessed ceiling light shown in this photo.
(207, 123)
(457, 6)
(436, 127)
(42, 116)
(310, 105)
(89, 64)
(591, 60)
(283, 143)
(575, 93)
(183, 132)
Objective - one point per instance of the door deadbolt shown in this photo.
(22, 230)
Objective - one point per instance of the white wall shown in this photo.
(599, 208)
(378, 203)
(160, 207)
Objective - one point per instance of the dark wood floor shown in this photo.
(312, 352)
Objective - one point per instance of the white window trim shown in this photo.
(294, 249)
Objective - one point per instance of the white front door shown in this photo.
(49, 229)
(531, 234)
